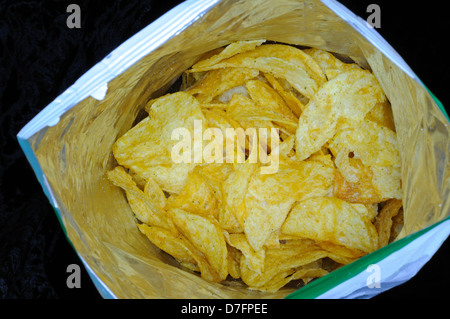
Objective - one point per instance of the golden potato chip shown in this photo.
(229, 51)
(172, 243)
(255, 259)
(261, 220)
(181, 249)
(340, 250)
(150, 142)
(330, 65)
(218, 119)
(288, 96)
(381, 114)
(270, 196)
(146, 210)
(306, 273)
(286, 147)
(340, 259)
(273, 241)
(216, 172)
(362, 191)
(346, 98)
(282, 61)
(234, 190)
(196, 197)
(266, 98)
(277, 261)
(332, 220)
(387, 180)
(383, 222)
(170, 177)
(341, 255)
(155, 193)
(243, 109)
(234, 264)
(139, 180)
(292, 55)
(367, 156)
(206, 236)
(219, 81)
(215, 175)
(251, 118)
(397, 225)
(226, 96)
(372, 143)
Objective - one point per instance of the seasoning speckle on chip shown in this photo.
(334, 191)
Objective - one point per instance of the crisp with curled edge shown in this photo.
(332, 199)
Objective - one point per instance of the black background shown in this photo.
(40, 57)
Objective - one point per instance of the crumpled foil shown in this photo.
(75, 153)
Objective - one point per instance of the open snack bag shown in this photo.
(336, 183)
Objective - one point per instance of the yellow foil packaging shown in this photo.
(69, 144)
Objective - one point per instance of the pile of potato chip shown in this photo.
(335, 197)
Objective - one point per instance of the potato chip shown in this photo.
(266, 98)
(255, 259)
(372, 143)
(282, 61)
(397, 225)
(230, 143)
(270, 197)
(234, 190)
(139, 180)
(361, 191)
(340, 259)
(170, 177)
(229, 51)
(288, 96)
(372, 173)
(306, 273)
(346, 98)
(330, 65)
(150, 143)
(155, 193)
(181, 249)
(234, 262)
(293, 55)
(332, 220)
(215, 175)
(381, 114)
(206, 236)
(146, 210)
(284, 259)
(226, 96)
(250, 117)
(286, 147)
(219, 81)
(216, 172)
(196, 197)
(243, 109)
(172, 243)
(340, 250)
(387, 180)
(273, 241)
(383, 222)
(219, 118)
